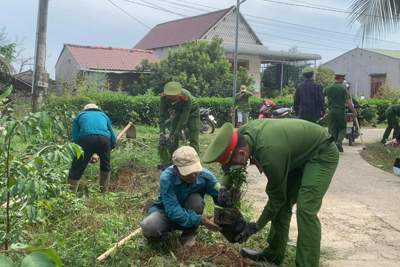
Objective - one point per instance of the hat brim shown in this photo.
(186, 170)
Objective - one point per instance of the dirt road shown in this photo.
(360, 215)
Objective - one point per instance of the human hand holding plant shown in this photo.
(210, 224)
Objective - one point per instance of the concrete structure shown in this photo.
(368, 69)
(107, 66)
(251, 52)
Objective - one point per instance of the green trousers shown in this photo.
(393, 124)
(306, 187)
(337, 125)
(193, 130)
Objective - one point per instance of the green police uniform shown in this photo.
(337, 97)
(392, 113)
(185, 114)
(299, 160)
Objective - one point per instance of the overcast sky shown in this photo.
(98, 22)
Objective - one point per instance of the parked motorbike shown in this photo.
(208, 122)
(352, 131)
(270, 109)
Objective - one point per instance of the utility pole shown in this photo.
(235, 59)
(39, 83)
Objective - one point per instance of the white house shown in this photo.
(116, 66)
(367, 69)
(251, 51)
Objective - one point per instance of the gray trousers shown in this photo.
(157, 223)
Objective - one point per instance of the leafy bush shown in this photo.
(377, 107)
(145, 109)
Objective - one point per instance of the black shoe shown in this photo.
(339, 147)
(254, 255)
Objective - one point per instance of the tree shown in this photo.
(324, 76)
(376, 16)
(200, 66)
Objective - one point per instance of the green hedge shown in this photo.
(120, 106)
(123, 108)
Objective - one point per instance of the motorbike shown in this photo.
(352, 131)
(208, 122)
(270, 109)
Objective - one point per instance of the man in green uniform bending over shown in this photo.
(299, 159)
(392, 113)
(178, 111)
(338, 99)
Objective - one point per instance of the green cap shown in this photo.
(172, 88)
(308, 70)
(219, 144)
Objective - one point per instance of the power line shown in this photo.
(152, 6)
(316, 28)
(301, 41)
(330, 9)
(128, 14)
(308, 35)
(193, 6)
(162, 8)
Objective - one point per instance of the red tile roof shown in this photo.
(109, 58)
(181, 31)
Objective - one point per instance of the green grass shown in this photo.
(80, 229)
(381, 156)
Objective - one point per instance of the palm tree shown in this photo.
(376, 16)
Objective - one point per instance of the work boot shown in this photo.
(104, 180)
(255, 255)
(188, 239)
(73, 185)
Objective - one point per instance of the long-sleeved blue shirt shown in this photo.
(309, 100)
(174, 192)
(92, 122)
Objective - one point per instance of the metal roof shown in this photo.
(109, 58)
(386, 52)
(269, 55)
(180, 31)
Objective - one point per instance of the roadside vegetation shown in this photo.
(381, 156)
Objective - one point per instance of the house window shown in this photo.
(377, 80)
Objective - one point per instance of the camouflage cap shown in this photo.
(172, 88)
(221, 148)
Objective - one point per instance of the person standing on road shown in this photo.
(338, 99)
(181, 201)
(242, 105)
(299, 159)
(92, 130)
(309, 98)
(392, 113)
(178, 111)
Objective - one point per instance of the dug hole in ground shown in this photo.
(360, 215)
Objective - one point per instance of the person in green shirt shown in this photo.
(338, 99)
(299, 159)
(178, 111)
(392, 113)
(242, 105)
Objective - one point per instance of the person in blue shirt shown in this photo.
(92, 130)
(181, 201)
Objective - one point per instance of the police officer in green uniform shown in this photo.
(392, 113)
(299, 159)
(338, 98)
(178, 111)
